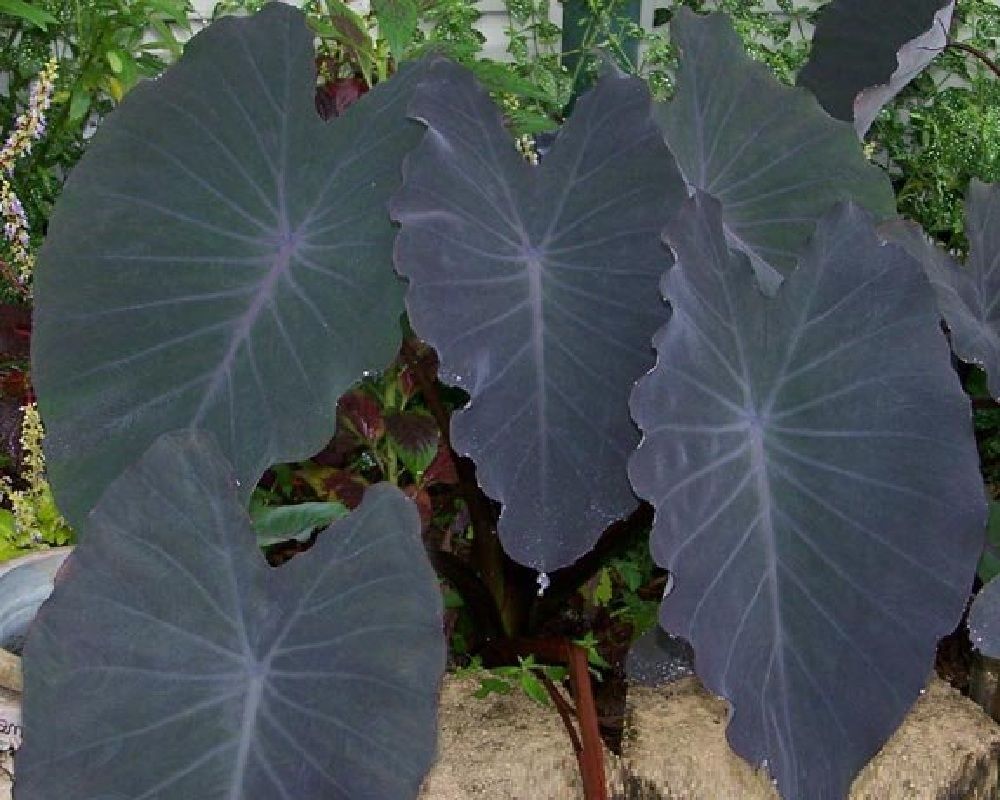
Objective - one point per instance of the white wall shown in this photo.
(491, 24)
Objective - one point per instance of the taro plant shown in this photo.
(219, 271)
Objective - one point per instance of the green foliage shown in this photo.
(944, 130)
(452, 28)
(622, 587)
(103, 48)
(589, 643)
(31, 520)
(275, 524)
(989, 564)
(504, 680)
(779, 37)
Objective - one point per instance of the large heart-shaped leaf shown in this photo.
(213, 257)
(811, 462)
(968, 297)
(172, 662)
(864, 53)
(768, 152)
(537, 287)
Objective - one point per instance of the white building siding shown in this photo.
(492, 23)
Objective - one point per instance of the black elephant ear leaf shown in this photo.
(969, 296)
(816, 486)
(168, 635)
(768, 152)
(864, 53)
(538, 288)
(656, 658)
(984, 620)
(217, 249)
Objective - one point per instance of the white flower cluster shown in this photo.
(526, 147)
(29, 127)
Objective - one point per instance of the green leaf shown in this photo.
(989, 564)
(453, 599)
(602, 592)
(348, 28)
(630, 574)
(275, 524)
(28, 12)
(115, 62)
(534, 688)
(414, 437)
(171, 9)
(524, 121)
(79, 103)
(488, 686)
(594, 658)
(167, 41)
(397, 22)
(8, 526)
(498, 77)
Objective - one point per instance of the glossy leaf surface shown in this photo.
(767, 152)
(537, 287)
(811, 463)
(213, 257)
(172, 662)
(969, 296)
(864, 53)
(25, 583)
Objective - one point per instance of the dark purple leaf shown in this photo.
(415, 434)
(537, 288)
(340, 450)
(172, 662)
(968, 297)
(442, 469)
(865, 52)
(345, 486)
(335, 97)
(766, 151)
(811, 462)
(213, 258)
(656, 658)
(362, 414)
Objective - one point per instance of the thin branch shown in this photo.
(975, 51)
(566, 711)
